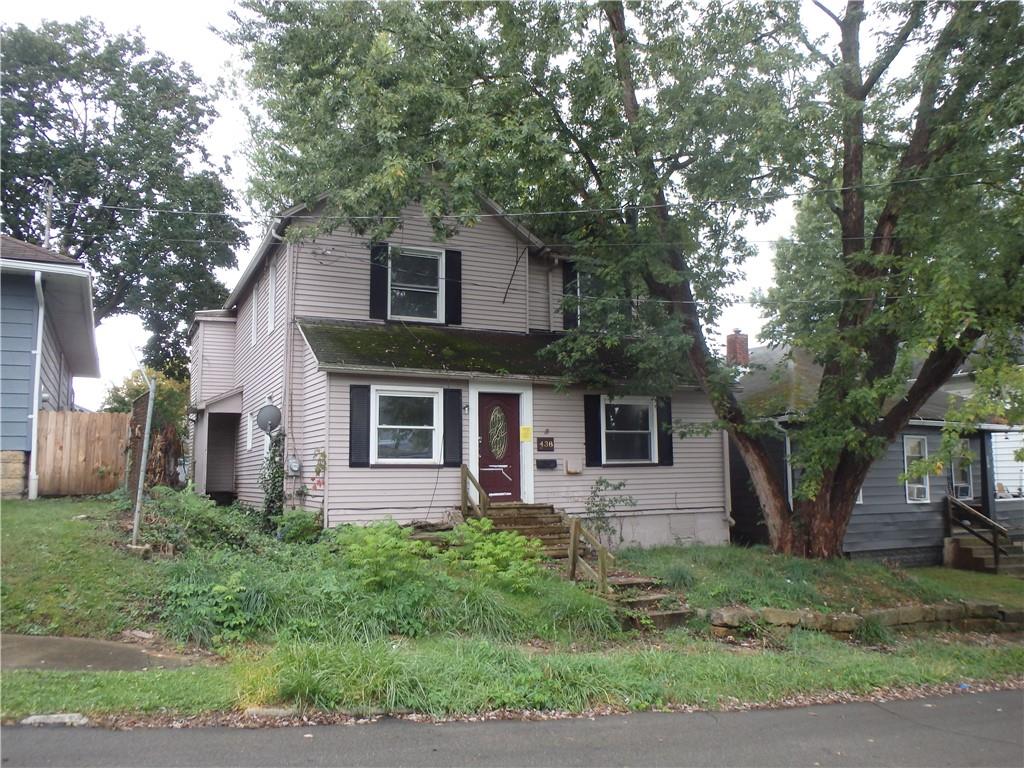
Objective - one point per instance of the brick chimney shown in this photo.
(736, 351)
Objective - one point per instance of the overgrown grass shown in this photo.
(62, 576)
(970, 585)
(448, 676)
(756, 577)
(451, 676)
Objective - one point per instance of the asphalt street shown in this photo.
(966, 730)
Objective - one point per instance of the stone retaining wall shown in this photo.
(968, 615)
(12, 474)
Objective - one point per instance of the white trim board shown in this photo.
(525, 392)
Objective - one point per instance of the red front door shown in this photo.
(499, 446)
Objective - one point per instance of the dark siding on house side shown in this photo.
(17, 334)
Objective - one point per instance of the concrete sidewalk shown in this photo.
(79, 653)
(982, 729)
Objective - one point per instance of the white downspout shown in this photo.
(37, 385)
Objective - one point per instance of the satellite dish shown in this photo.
(268, 418)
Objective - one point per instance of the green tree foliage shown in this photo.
(172, 398)
(119, 131)
(643, 139)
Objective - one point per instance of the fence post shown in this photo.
(602, 570)
(463, 470)
(574, 538)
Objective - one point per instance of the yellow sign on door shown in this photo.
(525, 434)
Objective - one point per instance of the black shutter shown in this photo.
(570, 316)
(453, 287)
(359, 425)
(665, 431)
(452, 451)
(379, 281)
(592, 429)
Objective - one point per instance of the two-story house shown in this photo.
(395, 363)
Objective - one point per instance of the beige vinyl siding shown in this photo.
(544, 303)
(54, 375)
(689, 495)
(333, 273)
(364, 495)
(196, 366)
(260, 372)
(308, 434)
(218, 355)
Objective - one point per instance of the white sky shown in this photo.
(182, 31)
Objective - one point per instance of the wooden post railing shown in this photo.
(479, 509)
(578, 534)
(967, 517)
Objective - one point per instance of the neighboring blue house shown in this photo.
(893, 519)
(46, 339)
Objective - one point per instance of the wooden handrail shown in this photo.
(966, 511)
(577, 565)
(479, 509)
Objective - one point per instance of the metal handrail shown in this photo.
(967, 511)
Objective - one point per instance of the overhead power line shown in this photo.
(555, 212)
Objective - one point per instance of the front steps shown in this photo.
(535, 521)
(972, 554)
(640, 600)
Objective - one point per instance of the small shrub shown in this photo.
(600, 503)
(300, 527)
(381, 555)
(678, 576)
(185, 519)
(504, 558)
(873, 632)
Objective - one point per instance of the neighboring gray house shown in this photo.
(46, 338)
(395, 363)
(894, 519)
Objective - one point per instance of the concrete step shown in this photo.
(661, 619)
(624, 583)
(649, 600)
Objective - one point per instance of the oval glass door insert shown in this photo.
(498, 429)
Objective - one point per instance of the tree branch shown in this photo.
(892, 50)
(836, 19)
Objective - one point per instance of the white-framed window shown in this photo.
(629, 430)
(271, 297)
(416, 284)
(248, 431)
(915, 447)
(255, 312)
(405, 425)
(960, 472)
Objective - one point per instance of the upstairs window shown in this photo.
(629, 430)
(255, 313)
(416, 284)
(271, 298)
(915, 448)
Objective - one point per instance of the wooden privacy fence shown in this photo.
(81, 453)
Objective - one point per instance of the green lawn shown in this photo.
(970, 585)
(63, 576)
(716, 576)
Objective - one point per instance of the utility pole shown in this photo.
(145, 457)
